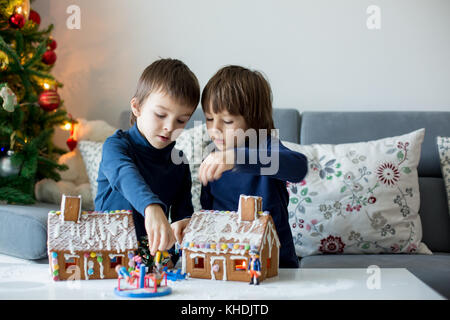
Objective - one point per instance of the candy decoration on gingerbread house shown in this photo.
(89, 244)
(217, 244)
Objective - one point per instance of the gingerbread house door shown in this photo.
(218, 271)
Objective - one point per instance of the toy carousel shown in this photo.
(138, 283)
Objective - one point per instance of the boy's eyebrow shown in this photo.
(161, 106)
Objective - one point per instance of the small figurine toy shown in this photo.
(254, 267)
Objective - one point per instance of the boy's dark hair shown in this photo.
(171, 76)
(240, 91)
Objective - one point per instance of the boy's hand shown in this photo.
(160, 234)
(179, 227)
(215, 164)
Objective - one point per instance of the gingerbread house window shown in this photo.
(70, 261)
(240, 265)
(115, 261)
(199, 262)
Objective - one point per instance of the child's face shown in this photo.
(223, 129)
(161, 119)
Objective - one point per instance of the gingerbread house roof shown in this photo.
(226, 232)
(99, 231)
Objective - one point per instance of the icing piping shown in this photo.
(211, 261)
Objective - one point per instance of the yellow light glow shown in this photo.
(46, 86)
(67, 126)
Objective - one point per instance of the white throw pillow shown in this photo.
(91, 152)
(195, 144)
(358, 198)
(444, 154)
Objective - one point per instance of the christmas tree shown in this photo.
(30, 106)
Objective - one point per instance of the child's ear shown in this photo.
(135, 107)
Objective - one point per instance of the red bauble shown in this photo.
(51, 45)
(71, 143)
(49, 100)
(17, 21)
(49, 57)
(35, 17)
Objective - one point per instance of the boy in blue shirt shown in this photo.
(136, 171)
(237, 104)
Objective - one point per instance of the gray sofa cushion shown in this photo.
(347, 127)
(286, 120)
(434, 214)
(23, 230)
(434, 269)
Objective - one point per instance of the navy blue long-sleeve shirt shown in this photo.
(246, 178)
(133, 174)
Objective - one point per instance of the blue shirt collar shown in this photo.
(144, 145)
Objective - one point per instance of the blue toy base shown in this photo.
(143, 293)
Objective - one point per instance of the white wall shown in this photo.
(317, 55)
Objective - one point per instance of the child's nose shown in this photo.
(169, 126)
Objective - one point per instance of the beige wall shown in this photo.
(317, 55)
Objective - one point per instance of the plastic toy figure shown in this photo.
(122, 272)
(254, 267)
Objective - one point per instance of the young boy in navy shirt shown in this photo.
(136, 171)
(237, 104)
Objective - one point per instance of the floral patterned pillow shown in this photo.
(194, 143)
(91, 152)
(444, 154)
(358, 198)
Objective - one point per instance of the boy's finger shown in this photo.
(155, 243)
(150, 239)
(218, 172)
(163, 241)
(210, 172)
(179, 235)
(203, 174)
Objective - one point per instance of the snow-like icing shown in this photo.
(221, 226)
(214, 258)
(95, 231)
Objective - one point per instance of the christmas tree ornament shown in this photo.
(71, 143)
(24, 9)
(35, 17)
(8, 97)
(49, 100)
(17, 21)
(4, 61)
(49, 57)
(51, 44)
(7, 168)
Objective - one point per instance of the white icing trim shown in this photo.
(113, 255)
(183, 262)
(68, 256)
(56, 231)
(101, 266)
(238, 257)
(211, 261)
(86, 276)
(195, 255)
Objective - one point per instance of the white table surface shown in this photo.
(23, 279)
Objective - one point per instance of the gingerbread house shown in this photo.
(89, 244)
(216, 244)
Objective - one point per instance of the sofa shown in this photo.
(23, 229)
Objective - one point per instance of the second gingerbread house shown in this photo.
(216, 244)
